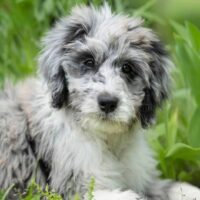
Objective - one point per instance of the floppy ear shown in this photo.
(51, 58)
(159, 83)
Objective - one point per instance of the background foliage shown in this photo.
(176, 135)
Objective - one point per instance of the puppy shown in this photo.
(101, 76)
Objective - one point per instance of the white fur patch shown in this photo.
(116, 195)
(184, 191)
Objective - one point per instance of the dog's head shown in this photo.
(108, 68)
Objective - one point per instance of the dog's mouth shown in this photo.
(106, 117)
(107, 124)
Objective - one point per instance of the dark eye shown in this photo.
(126, 68)
(89, 62)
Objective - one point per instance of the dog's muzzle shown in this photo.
(107, 103)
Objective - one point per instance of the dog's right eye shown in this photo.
(89, 62)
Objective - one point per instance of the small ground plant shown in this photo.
(35, 192)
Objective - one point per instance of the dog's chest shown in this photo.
(117, 164)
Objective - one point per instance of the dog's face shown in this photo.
(107, 68)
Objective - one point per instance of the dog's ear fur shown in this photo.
(158, 82)
(50, 60)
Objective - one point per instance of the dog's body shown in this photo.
(103, 75)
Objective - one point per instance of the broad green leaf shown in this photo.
(183, 151)
(119, 5)
(194, 129)
(36, 197)
(189, 61)
(146, 6)
(194, 35)
(172, 129)
(180, 29)
(181, 93)
(159, 130)
(1, 194)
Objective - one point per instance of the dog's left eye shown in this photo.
(89, 62)
(126, 68)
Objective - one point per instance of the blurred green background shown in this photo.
(176, 136)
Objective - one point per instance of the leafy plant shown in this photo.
(176, 137)
(91, 189)
(35, 192)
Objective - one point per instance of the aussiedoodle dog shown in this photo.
(101, 76)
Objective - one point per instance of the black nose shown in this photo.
(107, 103)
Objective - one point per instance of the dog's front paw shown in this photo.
(184, 191)
(116, 195)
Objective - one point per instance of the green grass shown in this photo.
(35, 192)
(176, 136)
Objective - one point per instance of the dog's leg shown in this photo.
(183, 191)
(17, 161)
(115, 195)
(168, 190)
